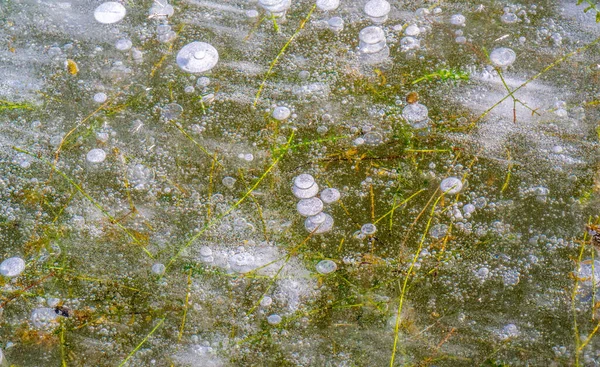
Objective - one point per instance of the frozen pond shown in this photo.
(299, 183)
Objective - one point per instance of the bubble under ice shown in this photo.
(12, 267)
(96, 155)
(199, 177)
(328, 5)
(318, 228)
(281, 113)
(503, 56)
(305, 193)
(451, 185)
(330, 195)
(197, 57)
(377, 10)
(309, 207)
(110, 12)
(43, 318)
(326, 266)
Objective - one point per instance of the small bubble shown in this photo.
(158, 268)
(274, 319)
(96, 156)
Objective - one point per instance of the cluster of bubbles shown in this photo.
(306, 188)
(160, 12)
(372, 45)
(367, 230)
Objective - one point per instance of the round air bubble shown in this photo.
(377, 8)
(12, 267)
(242, 262)
(269, 2)
(328, 5)
(469, 208)
(371, 35)
(336, 24)
(482, 273)
(373, 138)
(171, 111)
(316, 228)
(109, 12)
(274, 319)
(457, 19)
(276, 7)
(100, 97)
(305, 193)
(266, 301)
(368, 229)
(309, 207)
(409, 43)
(319, 218)
(304, 181)
(197, 57)
(326, 267)
(281, 113)
(330, 195)
(359, 141)
(588, 272)
(228, 181)
(412, 30)
(451, 185)
(96, 156)
(123, 45)
(205, 251)
(161, 9)
(158, 268)
(203, 81)
(415, 112)
(503, 56)
(136, 54)
(371, 40)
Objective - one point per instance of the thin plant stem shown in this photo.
(281, 52)
(141, 343)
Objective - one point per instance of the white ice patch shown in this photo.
(541, 129)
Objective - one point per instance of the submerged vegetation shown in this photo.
(354, 184)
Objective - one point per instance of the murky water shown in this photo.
(299, 183)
